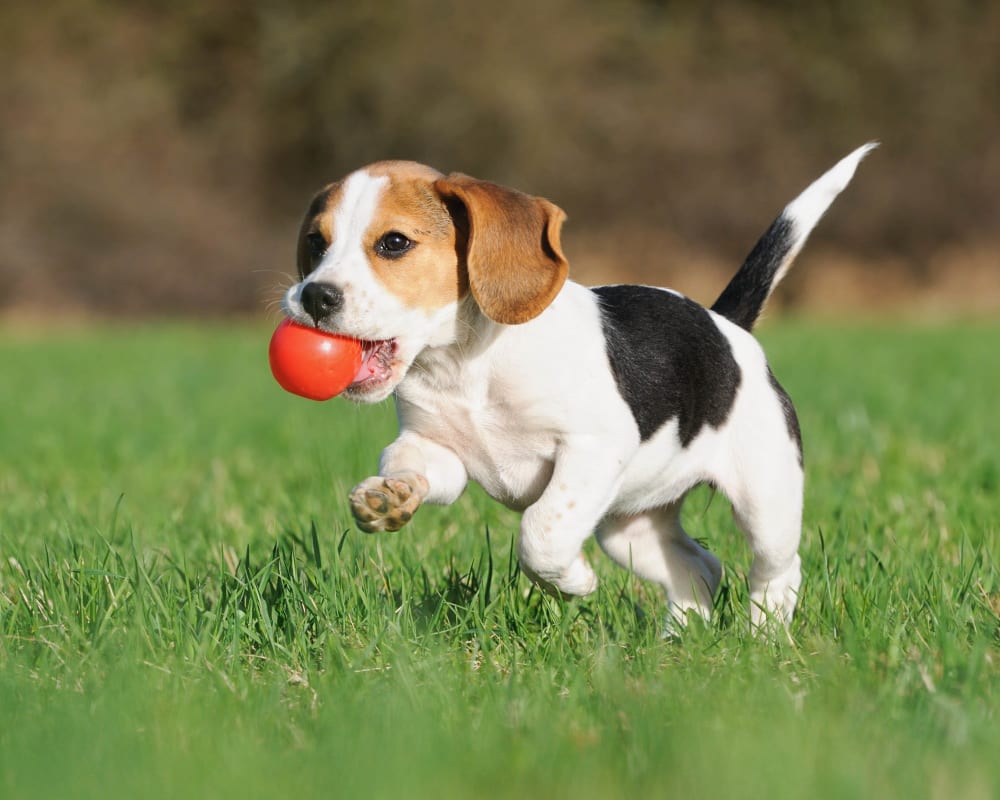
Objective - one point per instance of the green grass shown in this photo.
(186, 610)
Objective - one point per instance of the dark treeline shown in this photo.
(155, 156)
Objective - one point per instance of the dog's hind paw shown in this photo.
(387, 503)
(578, 580)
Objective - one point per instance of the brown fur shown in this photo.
(432, 275)
(514, 257)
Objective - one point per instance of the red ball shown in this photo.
(311, 363)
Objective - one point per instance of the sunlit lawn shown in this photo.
(187, 611)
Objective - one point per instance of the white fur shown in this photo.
(806, 210)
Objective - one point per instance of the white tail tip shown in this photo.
(806, 209)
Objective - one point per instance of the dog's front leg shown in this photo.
(584, 483)
(412, 470)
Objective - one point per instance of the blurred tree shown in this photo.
(155, 155)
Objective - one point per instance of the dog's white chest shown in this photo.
(511, 460)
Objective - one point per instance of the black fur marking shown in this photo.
(305, 257)
(743, 299)
(791, 418)
(669, 359)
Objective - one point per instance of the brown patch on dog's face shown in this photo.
(316, 231)
(412, 241)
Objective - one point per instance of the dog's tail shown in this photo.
(743, 299)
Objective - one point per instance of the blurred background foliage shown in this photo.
(155, 157)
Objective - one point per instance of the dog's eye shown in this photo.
(316, 244)
(392, 245)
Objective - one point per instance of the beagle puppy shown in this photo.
(590, 410)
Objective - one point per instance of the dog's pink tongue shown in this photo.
(371, 361)
(368, 366)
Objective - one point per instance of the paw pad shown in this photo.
(386, 504)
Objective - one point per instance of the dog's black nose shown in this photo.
(320, 300)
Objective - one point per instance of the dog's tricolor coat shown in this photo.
(589, 410)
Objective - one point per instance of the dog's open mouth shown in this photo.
(376, 365)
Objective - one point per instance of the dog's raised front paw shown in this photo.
(387, 503)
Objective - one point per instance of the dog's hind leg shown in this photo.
(655, 547)
(768, 508)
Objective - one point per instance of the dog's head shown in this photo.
(389, 254)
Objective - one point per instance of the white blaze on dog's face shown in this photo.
(388, 254)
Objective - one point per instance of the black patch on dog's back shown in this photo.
(791, 418)
(669, 359)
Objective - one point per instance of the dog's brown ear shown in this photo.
(513, 253)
